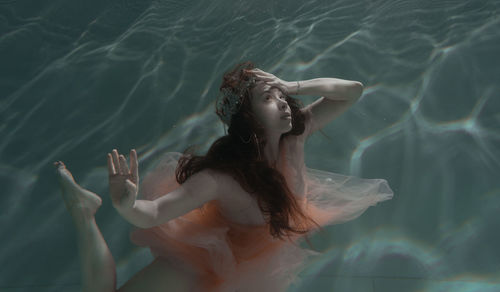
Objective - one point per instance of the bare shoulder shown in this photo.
(199, 189)
(203, 182)
(220, 179)
(207, 181)
(235, 202)
(227, 187)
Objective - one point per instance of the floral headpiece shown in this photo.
(232, 100)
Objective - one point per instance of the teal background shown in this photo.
(79, 78)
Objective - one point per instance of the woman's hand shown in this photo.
(123, 182)
(272, 80)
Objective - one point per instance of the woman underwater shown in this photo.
(229, 220)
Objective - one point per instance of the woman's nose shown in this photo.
(283, 105)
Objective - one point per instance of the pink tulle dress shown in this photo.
(229, 256)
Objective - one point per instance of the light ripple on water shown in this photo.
(143, 74)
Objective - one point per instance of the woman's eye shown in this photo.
(269, 97)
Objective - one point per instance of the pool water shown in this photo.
(79, 78)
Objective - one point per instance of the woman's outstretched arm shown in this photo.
(200, 188)
(197, 190)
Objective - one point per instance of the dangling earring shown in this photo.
(246, 142)
(258, 145)
(254, 136)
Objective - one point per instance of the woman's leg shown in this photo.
(97, 264)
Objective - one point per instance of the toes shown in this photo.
(62, 171)
(59, 164)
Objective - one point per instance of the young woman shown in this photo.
(229, 220)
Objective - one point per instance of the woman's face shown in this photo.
(270, 107)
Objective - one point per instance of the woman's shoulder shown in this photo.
(226, 183)
(221, 178)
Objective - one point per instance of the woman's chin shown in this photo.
(288, 128)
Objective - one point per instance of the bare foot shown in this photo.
(81, 203)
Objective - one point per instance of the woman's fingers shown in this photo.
(123, 165)
(116, 161)
(266, 78)
(117, 164)
(270, 79)
(258, 73)
(134, 169)
(262, 73)
(111, 167)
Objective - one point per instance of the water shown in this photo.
(81, 78)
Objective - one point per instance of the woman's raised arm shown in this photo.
(337, 95)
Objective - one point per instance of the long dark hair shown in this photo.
(238, 154)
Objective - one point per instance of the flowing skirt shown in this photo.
(229, 256)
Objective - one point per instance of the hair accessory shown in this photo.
(232, 100)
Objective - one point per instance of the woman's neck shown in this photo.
(272, 149)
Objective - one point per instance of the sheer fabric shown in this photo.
(228, 256)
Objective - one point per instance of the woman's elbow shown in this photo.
(357, 90)
(149, 214)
